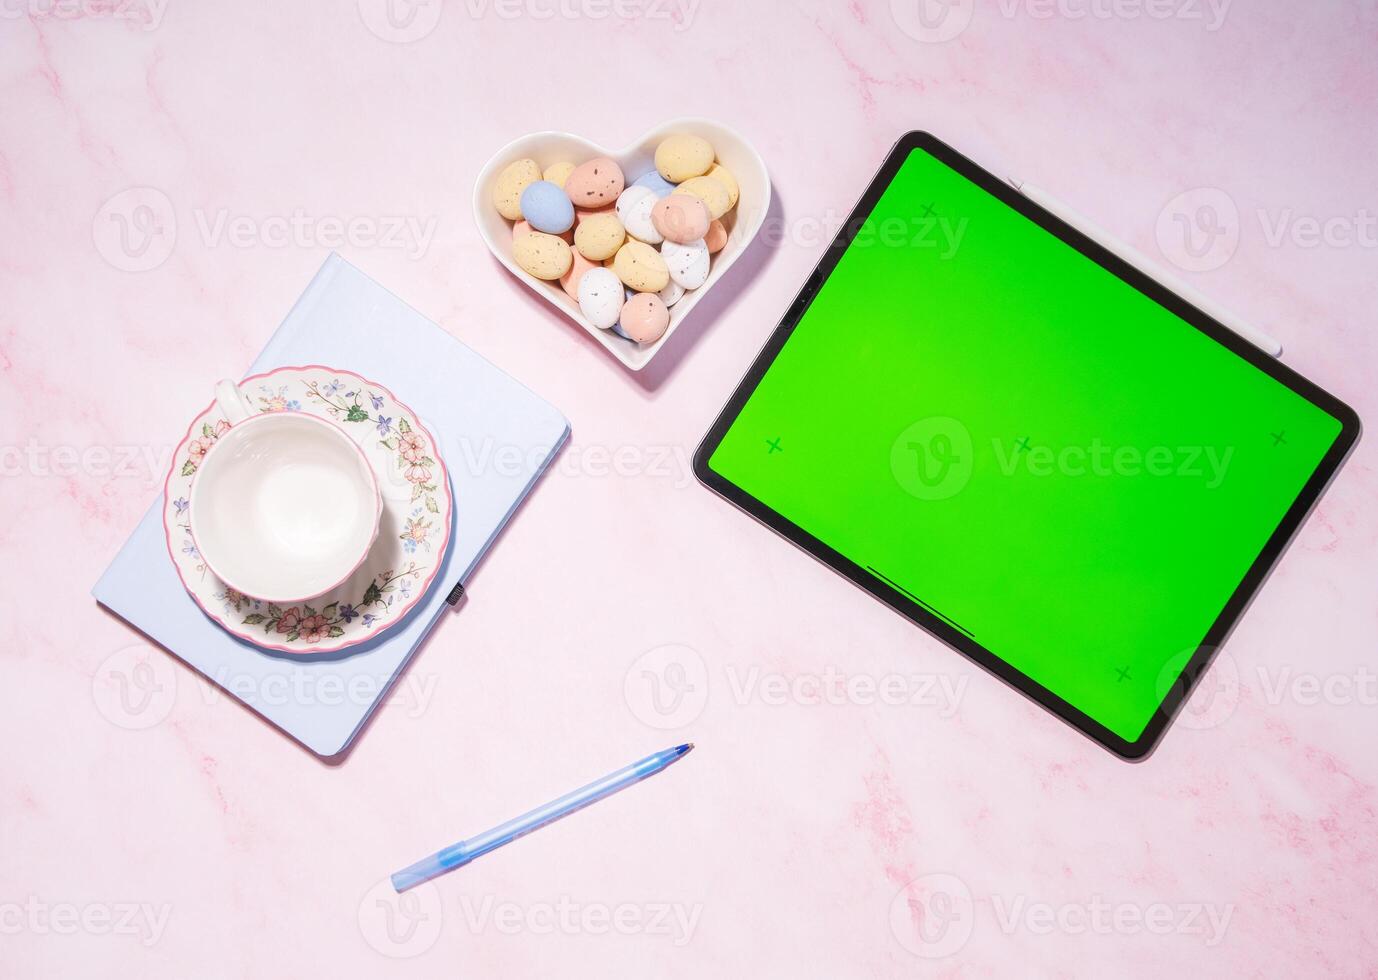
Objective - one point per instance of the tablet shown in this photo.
(1025, 445)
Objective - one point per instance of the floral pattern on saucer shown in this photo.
(416, 523)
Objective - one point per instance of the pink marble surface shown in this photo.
(176, 835)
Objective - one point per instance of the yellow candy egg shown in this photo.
(507, 192)
(543, 256)
(556, 173)
(681, 157)
(724, 176)
(599, 236)
(640, 267)
(711, 192)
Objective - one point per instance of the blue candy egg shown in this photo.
(659, 186)
(547, 207)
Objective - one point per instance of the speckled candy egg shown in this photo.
(543, 256)
(634, 208)
(547, 208)
(569, 282)
(671, 294)
(680, 157)
(599, 236)
(524, 228)
(680, 218)
(644, 318)
(655, 183)
(507, 191)
(558, 173)
(711, 192)
(687, 264)
(641, 267)
(600, 297)
(716, 237)
(724, 176)
(596, 183)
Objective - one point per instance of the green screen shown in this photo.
(1035, 451)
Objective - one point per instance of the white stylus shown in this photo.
(1141, 262)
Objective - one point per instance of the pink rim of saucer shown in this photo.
(372, 479)
(420, 594)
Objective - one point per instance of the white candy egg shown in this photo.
(688, 264)
(634, 208)
(600, 297)
(671, 294)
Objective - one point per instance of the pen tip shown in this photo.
(681, 749)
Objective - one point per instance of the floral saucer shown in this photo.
(418, 508)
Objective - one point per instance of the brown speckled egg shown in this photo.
(680, 218)
(595, 184)
(523, 227)
(640, 267)
(507, 189)
(644, 318)
(543, 256)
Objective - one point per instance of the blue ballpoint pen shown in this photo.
(466, 850)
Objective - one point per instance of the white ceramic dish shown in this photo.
(547, 148)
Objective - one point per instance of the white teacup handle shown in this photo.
(232, 402)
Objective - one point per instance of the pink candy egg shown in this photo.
(581, 213)
(595, 184)
(570, 280)
(680, 218)
(715, 237)
(645, 318)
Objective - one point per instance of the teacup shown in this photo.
(284, 506)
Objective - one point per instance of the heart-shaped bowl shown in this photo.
(742, 222)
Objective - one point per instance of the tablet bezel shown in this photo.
(1234, 607)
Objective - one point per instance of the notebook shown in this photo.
(497, 438)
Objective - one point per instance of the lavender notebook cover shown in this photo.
(346, 320)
